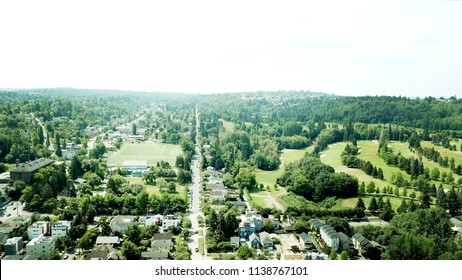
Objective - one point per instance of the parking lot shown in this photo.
(287, 241)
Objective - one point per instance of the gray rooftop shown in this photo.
(107, 240)
(33, 165)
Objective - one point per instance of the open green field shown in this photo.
(153, 189)
(331, 157)
(369, 153)
(229, 126)
(268, 198)
(153, 153)
(268, 178)
(457, 155)
(456, 142)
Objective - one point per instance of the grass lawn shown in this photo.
(457, 155)
(268, 178)
(405, 151)
(229, 126)
(369, 153)
(331, 157)
(154, 189)
(153, 153)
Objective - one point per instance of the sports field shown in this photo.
(153, 153)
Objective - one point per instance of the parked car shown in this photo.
(197, 249)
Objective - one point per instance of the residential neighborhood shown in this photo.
(156, 179)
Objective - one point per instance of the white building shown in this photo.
(60, 228)
(330, 236)
(41, 246)
(170, 220)
(38, 228)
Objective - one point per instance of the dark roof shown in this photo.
(3, 237)
(163, 236)
(33, 165)
(305, 237)
(100, 252)
(361, 239)
(155, 254)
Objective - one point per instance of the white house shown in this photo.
(60, 228)
(41, 246)
(170, 220)
(38, 228)
(218, 196)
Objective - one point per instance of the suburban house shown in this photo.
(26, 171)
(155, 255)
(108, 240)
(162, 245)
(122, 223)
(275, 221)
(170, 220)
(254, 241)
(315, 224)
(71, 150)
(13, 245)
(241, 205)
(60, 228)
(360, 242)
(38, 228)
(345, 242)
(163, 236)
(41, 246)
(100, 253)
(218, 196)
(306, 241)
(330, 236)
(266, 240)
(152, 220)
(246, 228)
(256, 218)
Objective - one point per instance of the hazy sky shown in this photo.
(410, 48)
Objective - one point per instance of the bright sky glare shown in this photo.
(409, 48)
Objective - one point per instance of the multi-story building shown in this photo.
(170, 220)
(13, 245)
(26, 171)
(60, 228)
(41, 246)
(38, 228)
(330, 236)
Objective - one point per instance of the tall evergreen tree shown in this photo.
(373, 207)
